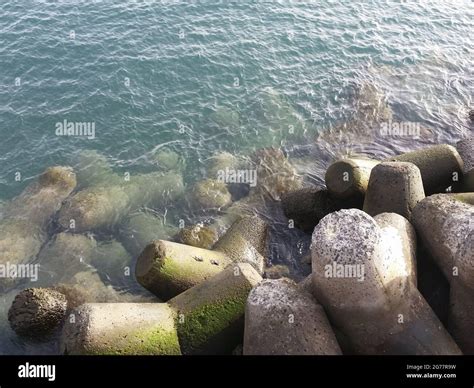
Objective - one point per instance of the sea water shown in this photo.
(128, 79)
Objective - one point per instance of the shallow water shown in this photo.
(201, 77)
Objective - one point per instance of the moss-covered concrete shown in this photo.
(210, 315)
(198, 236)
(167, 268)
(121, 329)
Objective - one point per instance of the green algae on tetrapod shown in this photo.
(121, 329)
(467, 198)
(167, 160)
(200, 236)
(166, 268)
(145, 342)
(209, 316)
(201, 325)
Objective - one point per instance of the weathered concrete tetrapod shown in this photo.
(37, 312)
(445, 224)
(402, 239)
(367, 290)
(142, 228)
(103, 206)
(246, 241)
(24, 223)
(211, 314)
(394, 187)
(440, 166)
(465, 147)
(121, 329)
(167, 268)
(209, 194)
(206, 319)
(349, 177)
(307, 206)
(282, 319)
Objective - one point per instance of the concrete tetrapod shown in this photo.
(282, 319)
(23, 228)
(402, 238)
(349, 177)
(92, 169)
(104, 206)
(394, 187)
(64, 255)
(367, 290)
(167, 268)
(211, 314)
(465, 147)
(445, 225)
(307, 206)
(440, 166)
(205, 319)
(38, 312)
(142, 228)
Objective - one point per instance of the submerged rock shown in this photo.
(142, 228)
(63, 256)
(92, 168)
(226, 117)
(275, 174)
(113, 262)
(209, 194)
(199, 236)
(168, 160)
(219, 163)
(104, 206)
(23, 229)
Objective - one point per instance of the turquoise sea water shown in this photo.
(198, 77)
